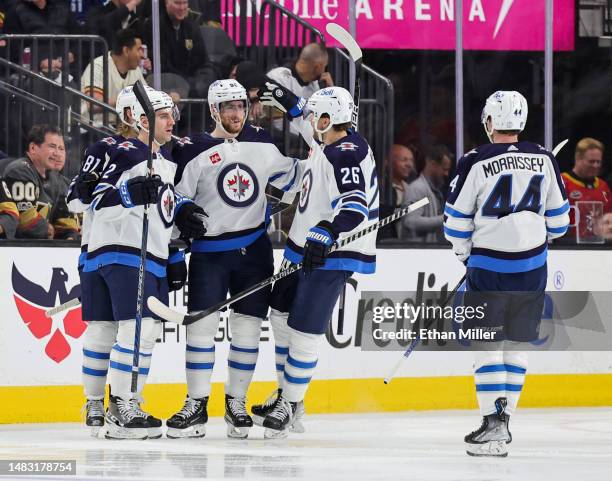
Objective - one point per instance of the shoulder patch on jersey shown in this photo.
(108, 141)
(471, 152)
(127, 145)
(183, 141)
(215, 158)
(512, 148)
(344, 146)
(254, 133)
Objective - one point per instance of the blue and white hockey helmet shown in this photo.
(336, 102)
(507, 110)
(125, 100)
(159, 100)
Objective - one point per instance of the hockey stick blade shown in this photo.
(163, 311)
(342, 36)
(559, 146)
(63, 307)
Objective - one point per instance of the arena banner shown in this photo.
(37, 351)
(509, 25)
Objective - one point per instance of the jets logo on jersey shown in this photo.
(344, 146)
(165, 205)
(237, 185)
(183, 141)
(215, 158)
(305, 193)
(257, 128)
(127, 146)
(109, 141)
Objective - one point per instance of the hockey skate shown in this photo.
(125, 419)
(94, 415)
(153, 424)
(190, 421)
(493, 435)
(236, 417)
(278, 421)
(260, 411)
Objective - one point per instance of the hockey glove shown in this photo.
(140, 190)
(84, 185)
(319, 241)
(283, 99)
(191, 221)
(176, 271)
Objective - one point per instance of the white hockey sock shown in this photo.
(516, 365)
(490, 377)
(244, 349)
(278, 321)
(200, 355)
(300, 364)
(123, 352)
(97, 344)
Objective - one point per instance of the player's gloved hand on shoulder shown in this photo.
(463, 258)
(283, 99)
(84, 185)
(140, 190)
(191, 221)
(176, 270)
(319, 241)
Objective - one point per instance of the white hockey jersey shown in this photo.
(228, 178)
(339, 185)
(95, 159)
(504, 203)
(116, 230)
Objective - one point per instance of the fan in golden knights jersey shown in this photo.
(226, 172)
(339, 196)
(505, 202)
(110, 269)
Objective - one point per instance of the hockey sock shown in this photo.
(300, 364)
(516, 362)
(98, 342)
(122, 355)
(200, 355)
(278, 321)
(490, 377)
(242, 358)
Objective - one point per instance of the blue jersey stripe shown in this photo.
(458, 233)
(241, 366)
(501, 368)
(244, 349)
(301, 364)
(199, 365)
(506, 265)
(557, 230)
(96, 355)
(94, 372)
(499, 387)
(455, 213)
(204, 245)
(127, 368)
(131, 260)
(558, 211)
(200, 349)
(297, 380)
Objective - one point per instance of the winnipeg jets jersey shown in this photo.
(95, 159)
(339, 185)
(227, 178)
(505, 201)
(116, 230)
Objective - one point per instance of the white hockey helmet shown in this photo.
(159, 100)
(226, 90)
(333, 101)
(507, 110)
(125, 100)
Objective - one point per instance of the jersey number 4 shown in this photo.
(499, 202)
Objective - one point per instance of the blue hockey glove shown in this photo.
(176, 270)
(319, 241)
(283, 99)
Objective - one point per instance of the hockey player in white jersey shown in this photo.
(505, 202)
(110, 269)
(339, 195)
(226, 172)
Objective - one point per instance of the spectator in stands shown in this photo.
(182, 46)
(403, 167)
(38, 191)
(308, 74)
(59, 161)
(425, 224)
(123, 70)
(252, 78)
(582, 182)
(107, 19)
(81, 8)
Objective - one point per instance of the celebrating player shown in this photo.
(339, 195)
(113, 255)
(506, 201)
(226, 172)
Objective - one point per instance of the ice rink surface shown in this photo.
(549, 444)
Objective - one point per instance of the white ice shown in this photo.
(549, 444)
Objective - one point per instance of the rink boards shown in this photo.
(41, 360)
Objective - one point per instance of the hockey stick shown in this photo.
(63, 307)
(416, 340)
(145, 103)
(279, 205)
(559, 146)
(163, 311)
(344, 38)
